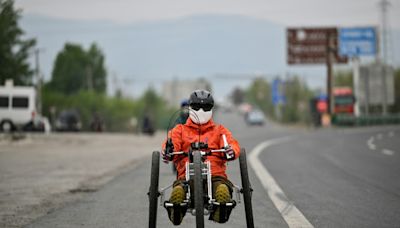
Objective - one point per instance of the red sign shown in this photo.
(310, 45)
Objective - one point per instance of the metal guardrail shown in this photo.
(349, 120)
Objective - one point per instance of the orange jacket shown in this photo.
(185, 134)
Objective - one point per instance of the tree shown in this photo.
(259, 94)
(237, 96)
(297, 100)
(75, 70)
(343, 79)
(396, 106)
(14, 50)
(96, 69)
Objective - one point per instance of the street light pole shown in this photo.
(329, 51)
(384, 4)
(39, 81)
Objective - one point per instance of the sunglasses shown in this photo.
(205, 107)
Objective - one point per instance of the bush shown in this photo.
(116, 113)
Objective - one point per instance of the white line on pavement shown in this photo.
(289, 212)
(387, 152)
(371, 144)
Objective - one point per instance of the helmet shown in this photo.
(201, 103)
(201, 99)
(184, 103)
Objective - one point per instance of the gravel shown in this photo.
(39, 173)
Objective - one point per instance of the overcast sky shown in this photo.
(285, 12)
(338, 13)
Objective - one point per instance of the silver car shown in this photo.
(255, 117)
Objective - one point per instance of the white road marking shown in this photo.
(289, 212)
(391, 134)
(387, 152)
(371, 144)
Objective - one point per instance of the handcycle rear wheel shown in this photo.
(246, 189)
(153, 191)
(198, 190)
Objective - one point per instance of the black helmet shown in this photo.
(201, 99)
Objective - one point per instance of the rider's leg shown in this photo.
(178, 194)
(222, 193)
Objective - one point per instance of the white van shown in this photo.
(17, 106)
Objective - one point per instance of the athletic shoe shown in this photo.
(177, 197)
(222, 195)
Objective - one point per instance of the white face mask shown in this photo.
(200, 117)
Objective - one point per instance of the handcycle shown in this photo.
(198, 171)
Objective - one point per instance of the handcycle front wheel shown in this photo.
(153, 191)
(246, 189)
(198, 189)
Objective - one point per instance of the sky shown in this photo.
(285, 12)
(131, 13)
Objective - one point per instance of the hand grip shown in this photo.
(225, 141)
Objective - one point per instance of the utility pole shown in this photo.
(384, 4)
(39, 80)
(329, 52)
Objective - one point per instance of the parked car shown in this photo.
(68, 120)
(255, 117)
(17, 106)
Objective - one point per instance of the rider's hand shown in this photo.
(229, 154)
(167, 153)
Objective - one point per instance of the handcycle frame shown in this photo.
(198, 170)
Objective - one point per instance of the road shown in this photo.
(333, 177)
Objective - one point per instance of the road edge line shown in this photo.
(289, 212)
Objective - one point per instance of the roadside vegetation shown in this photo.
(298, 95)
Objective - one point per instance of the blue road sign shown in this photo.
(354, 42)
(277, 92)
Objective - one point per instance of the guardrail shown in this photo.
(350, 120)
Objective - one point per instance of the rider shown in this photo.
(201, 127)
(184, 114)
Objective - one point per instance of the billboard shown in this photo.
(371, 88)
(310, 45)
(359, 41)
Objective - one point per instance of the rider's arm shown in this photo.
(231, 141)
(175, 135)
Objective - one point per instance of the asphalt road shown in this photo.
(335, 177)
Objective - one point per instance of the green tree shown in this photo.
(396, 106)
(76, 70)
(237, 96)
(297, 95)
(259, 94)
(96, 69)
(14, 50)
(343, 79)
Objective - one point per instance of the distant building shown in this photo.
(176, 90)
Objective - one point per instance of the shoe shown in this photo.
(222, 195)
(177, 197)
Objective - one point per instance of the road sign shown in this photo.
(359, 41)
(310, 45)
(278, 96)
(371, 88)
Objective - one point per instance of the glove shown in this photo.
(229, 154)
(167, 153)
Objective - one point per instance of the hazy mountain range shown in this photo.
(200, 46)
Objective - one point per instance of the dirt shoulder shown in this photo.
(39, 173)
